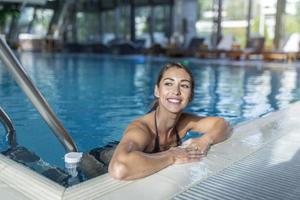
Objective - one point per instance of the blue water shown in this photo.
(96, 96)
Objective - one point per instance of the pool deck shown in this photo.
(278, 132)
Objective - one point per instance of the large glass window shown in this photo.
(124, 22)
(204, 24)
(160, 19)
(141, 21)
(41, 20)
(108, 27)
(264, 20)
(161, 26)
(35, 21)
(234, 20)
(292, 18)
(292, 21)
(26, 16)
(88, 27)
(6, 16)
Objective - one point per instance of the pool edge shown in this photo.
(35, 186)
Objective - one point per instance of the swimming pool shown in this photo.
(95, 96)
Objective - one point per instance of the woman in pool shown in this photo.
(153, 141)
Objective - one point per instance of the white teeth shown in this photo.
(174, 100)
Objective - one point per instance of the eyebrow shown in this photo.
(171, 79)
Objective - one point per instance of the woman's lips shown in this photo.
(174, 100)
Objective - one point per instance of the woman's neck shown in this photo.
(166, 121)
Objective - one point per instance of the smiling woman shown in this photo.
(153, 141)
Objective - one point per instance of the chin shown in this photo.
(175, 110)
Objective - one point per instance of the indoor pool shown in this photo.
(96, 96)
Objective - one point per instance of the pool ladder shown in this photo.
(8, 125)
(34, 95)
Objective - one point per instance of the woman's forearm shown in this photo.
(137, 164)
(219, 132)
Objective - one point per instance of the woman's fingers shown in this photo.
(185, 155)
(199, 146)
(187, 142)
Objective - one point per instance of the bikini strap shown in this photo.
(156, 146)
(178, 139)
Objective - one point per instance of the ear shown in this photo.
(156, 92)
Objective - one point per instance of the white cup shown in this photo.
(71, 161)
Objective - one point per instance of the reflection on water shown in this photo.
(97, 96)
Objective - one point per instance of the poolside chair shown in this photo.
(156, 49)
(288, 52)
(86, 48)
(194, 45)
(126, 47)
(30, 42)
(225, 44)
(254, 46)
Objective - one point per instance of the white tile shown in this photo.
(107, 188)
(3, 161)
(94, 188)
(235, 149)
(185, 175)
(8, 193)
(153, 187)
(29, 183)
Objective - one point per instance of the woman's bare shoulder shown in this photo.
(198, 123)
(141, 125)
(190, 116)
(187, 118)
(187, 121)
(138, 134)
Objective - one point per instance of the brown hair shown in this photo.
(161, 74)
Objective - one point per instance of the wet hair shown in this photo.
(168, 66)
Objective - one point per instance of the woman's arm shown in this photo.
(215, 130)
(130, 162)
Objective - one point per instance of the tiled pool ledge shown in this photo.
(19, 182)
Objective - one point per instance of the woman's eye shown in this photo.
(185, 86)
(168, 84)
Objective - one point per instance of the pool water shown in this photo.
(96, 96)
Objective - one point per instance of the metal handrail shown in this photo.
(8, 125)
(36, 98)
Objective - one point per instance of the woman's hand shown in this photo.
(200, 145)
(184, 155)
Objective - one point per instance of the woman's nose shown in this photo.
(176, 90)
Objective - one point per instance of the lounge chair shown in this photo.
(30, 42)
(156, 49)
(86, 48)
(225, 44)
(194, 45)
(52, 44)
(254, 46)
(288, 52)
(125, 48)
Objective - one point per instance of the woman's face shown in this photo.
(174, 90)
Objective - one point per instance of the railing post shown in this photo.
(11, 132)
(36, 98)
